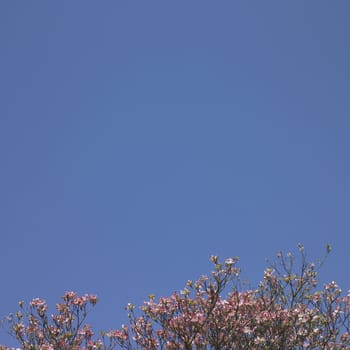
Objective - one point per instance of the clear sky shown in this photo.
(139, 137)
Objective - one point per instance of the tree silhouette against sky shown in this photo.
(287, 310)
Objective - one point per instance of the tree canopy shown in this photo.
(287, 310)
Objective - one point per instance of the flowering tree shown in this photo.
(286, 311)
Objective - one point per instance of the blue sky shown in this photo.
(139, 137)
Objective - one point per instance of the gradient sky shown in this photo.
(139, 137)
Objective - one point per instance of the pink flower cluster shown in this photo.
(286, 311)
(64, 330)
(281, 314)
